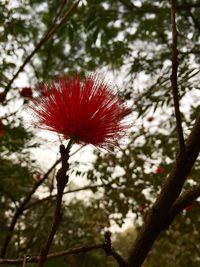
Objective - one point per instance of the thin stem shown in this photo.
(54, 255)
(111, 252)
(106, 246)
(89, 187)
(174, 78)
(19, 211)
(62, 180)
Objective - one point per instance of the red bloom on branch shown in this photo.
(88, 111)
(159, 170)
(189, 207)
(26, 92)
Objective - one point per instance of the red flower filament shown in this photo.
(88, 112)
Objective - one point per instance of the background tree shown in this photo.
(127, 38)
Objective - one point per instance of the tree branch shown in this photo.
(62, 180)
(20, 209)
(186, 198)
(29, 259)
(156, 219)
(44, 39)
(111, 252)
(106, 246)
(174, 78)
(169, 192)
(90, 187)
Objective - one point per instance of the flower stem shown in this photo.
(62, 180)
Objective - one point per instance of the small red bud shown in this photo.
(159, 170)
(150, 118)
(38, 177)
(26, 92)
(189, 207)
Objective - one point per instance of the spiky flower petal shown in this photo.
(88, 112)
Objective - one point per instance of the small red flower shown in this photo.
(88, 112)
(38, 177)
(1, 129)
(150, 118)
(143, 208)
(26, 92)
(159, 170)
(189, 207)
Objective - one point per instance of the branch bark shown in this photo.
(106, 246)
(174, 78)
(111, 252)
(159, 214)
(62, 180)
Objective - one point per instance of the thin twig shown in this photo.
(20, 209)
(111, 252)
(44, 39)
(106, 246)
(174, 78)
(89, 187)
(29, 259)
(62, 180)
(36, 229)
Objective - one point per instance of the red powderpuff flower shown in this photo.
(87, 112)
(26, 92)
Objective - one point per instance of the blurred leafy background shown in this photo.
(130, 42)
